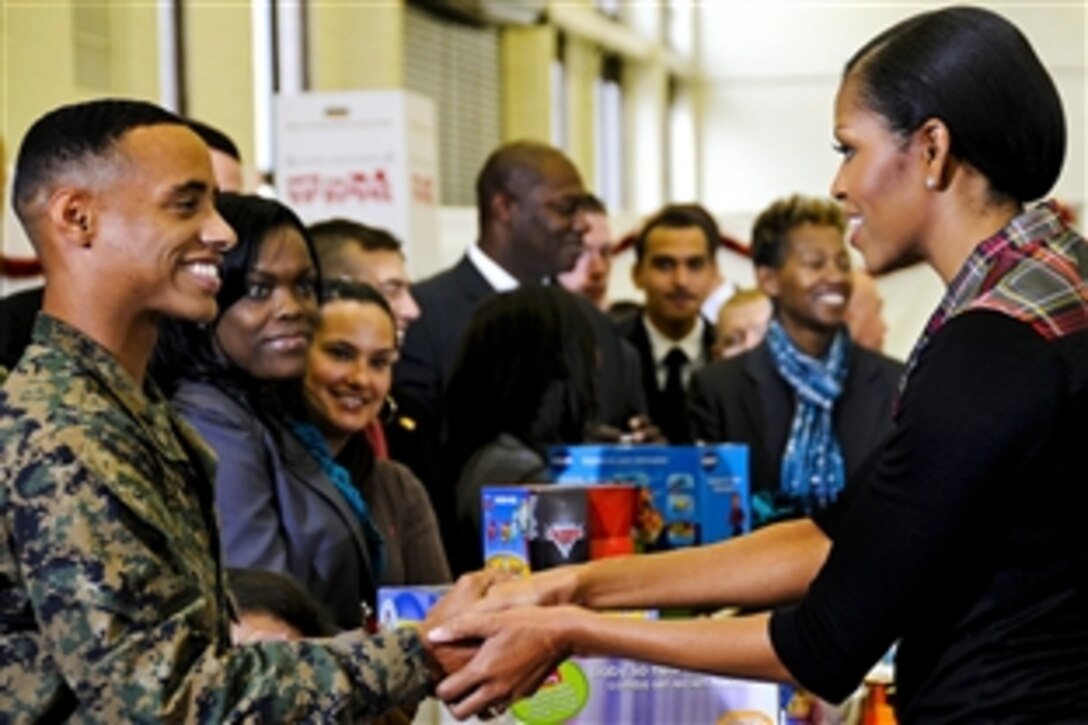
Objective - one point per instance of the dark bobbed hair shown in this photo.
(215, 139)
(976, 72)
(510, 169)
(265, 592)
(185, 349)
(74, 135)
(679, 216)
(342, 288)
(770, 232)
(526, 367)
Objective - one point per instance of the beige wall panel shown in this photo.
(219, 60)
(356, 45)
(527, 95)
(583, 62)
(134, 51)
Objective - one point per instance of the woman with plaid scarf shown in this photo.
(966, 541)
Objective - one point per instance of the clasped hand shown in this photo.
(494, 642)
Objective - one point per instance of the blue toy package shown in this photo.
(690, 494)
(506, 527)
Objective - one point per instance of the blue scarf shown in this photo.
(813, 472)
(316, 445)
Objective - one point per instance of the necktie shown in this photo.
(673, 421)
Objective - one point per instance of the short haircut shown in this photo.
(679, 216)
(508, 168)
(342, 288)
(976, 72)
(770, 233)
(215, 139)
(265, 592)
(80, 134)
(332, 236)
(592, 204)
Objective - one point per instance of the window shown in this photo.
(456, 66)
(610, 133)
(681, 171)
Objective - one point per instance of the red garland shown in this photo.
(19, 267)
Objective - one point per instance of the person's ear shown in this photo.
(767, 280)
(72, 216)
(502, 207)
(935, 143)
(636, 275)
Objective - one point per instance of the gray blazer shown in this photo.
(277, 509)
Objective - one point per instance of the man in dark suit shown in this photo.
(802, 264)
(676, 269)
(529, 199)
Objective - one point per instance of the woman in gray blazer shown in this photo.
(278, 509)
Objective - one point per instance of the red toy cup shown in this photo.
(612, 509)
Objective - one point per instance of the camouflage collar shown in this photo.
(146, 405)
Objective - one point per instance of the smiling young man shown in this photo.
(675, 268)
(112, 599)
(809, 403)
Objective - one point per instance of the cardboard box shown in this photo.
(692, 494)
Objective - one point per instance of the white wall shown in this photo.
(772, 69)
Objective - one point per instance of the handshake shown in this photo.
(494, 639)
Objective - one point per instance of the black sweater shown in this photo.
(967, 541)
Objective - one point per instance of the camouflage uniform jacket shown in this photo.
(112, 601)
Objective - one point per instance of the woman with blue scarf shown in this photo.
(809, 403)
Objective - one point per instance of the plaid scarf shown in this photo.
(1032, 270)
(812, 465)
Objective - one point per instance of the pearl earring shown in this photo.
(931, 183)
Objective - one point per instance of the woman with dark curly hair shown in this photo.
(523, 380)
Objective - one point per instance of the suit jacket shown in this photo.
(278, 511)
(745, 400)
(17, 314)
(633, 329)
(447, 302)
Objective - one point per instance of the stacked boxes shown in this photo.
(539, 526)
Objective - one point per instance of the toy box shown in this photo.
(538, 526)
(505, 523)
(598, 690)
(691, 494)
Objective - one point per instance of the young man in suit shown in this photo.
(589, 277)
(676, 269)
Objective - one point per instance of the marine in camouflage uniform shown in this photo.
(112, 600)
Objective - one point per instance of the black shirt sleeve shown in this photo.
(978, 407)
